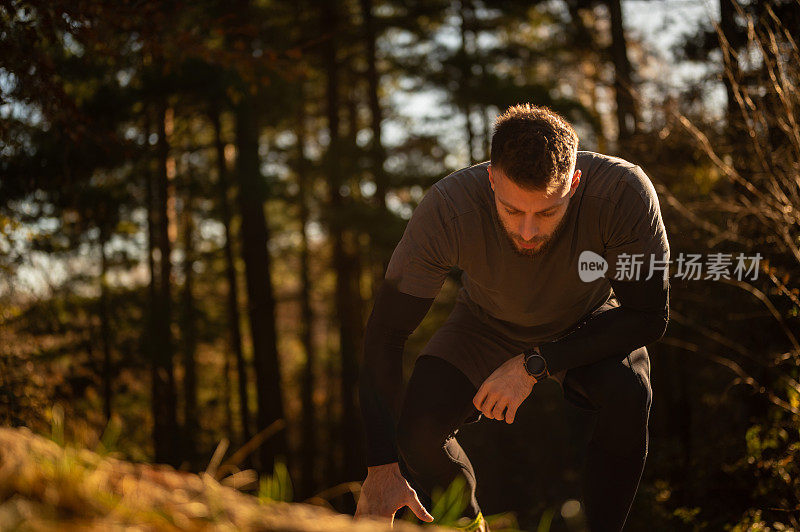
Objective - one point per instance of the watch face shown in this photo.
(534, 364)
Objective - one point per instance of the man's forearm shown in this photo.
(394, 317)
(380, 390)
(641, 319)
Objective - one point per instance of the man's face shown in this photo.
(531, 219)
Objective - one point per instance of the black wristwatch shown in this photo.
(535, 364)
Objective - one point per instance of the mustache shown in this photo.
(531, 241)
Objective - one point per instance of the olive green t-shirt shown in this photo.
(614, 212)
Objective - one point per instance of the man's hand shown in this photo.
(385, 491)
(507, 387)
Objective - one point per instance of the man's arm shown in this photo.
(641, 319)
(631, 224)
(414, 276)
(394, 317)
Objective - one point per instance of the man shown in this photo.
(530, 230)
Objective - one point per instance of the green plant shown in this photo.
(546, 521)
(449, 505)
(278, 486)
(57, 424)
(108, 441)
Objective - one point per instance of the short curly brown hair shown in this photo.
(534, 146)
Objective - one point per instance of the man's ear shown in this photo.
(491, 179)
(576, 180)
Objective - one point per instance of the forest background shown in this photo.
(198, 201)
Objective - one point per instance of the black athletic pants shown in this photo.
(438, 401)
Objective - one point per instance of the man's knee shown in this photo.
(620, 395)
(623, 414)
(627, 394)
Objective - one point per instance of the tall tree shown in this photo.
(627, 114)
(377, 151)
(234, 320)
(260, 298)
(189, 329)
(466, 49)
(309, 429)
(104, 312)
(347, 294)
(729, 42)
(164, 400)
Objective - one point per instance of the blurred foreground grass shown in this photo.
(47, 486)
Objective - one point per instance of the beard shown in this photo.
(544, 242)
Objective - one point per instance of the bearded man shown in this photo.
(564, 261)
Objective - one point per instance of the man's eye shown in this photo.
(548, 214)
(512, 212)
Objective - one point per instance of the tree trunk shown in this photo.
(309, 428)
(347, 299)
(260, 300)
(376, 112)
(353, 316)
(150, 343)
(164, 397)
(189, 329)
(465, 87)
(377, 150)
(227, 395)
(586, 47)
(351, 330)
(728, 28)
(328, 24)
(234, 323)
(627, 116)
(685, 421)
(333, 449)
(487, 131)
(105, 327)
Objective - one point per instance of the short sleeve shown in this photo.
(426, 252)
(633, 230)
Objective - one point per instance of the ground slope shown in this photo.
(44, 486)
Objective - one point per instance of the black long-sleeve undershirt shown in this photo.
(641, 319)
(395, 315)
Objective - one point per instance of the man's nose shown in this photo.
(528, 228)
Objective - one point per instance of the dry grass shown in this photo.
(44, 486)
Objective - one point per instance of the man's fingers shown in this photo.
(497, 411)
(417, 507)
(479, 397)
(490, 405)
(511, 413)
(485, 400)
